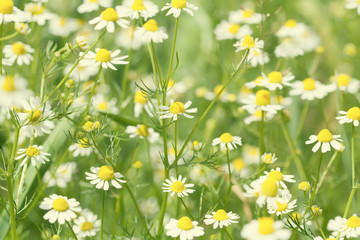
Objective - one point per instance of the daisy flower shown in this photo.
(331, 237)
(103, 57)
(136, 8)
(267, 190)
(238, 167)
(108, 18)
(304, 186)
(245, 16)
(353, 4)
(33, 153)
(276, 80)
(183, 228)
(101, 176)
(247, 42)
(139, 102)
(324, 139)
(291, 28)
(22, 28)
(256, 116)
(251, 154)
(265, 228)
(351, 116)
(62, 175)
(255, 83)
(254, 189)
(281, 205)
(259, 58)
(151, 32)
(102, 105)
(19, 52)
(177, 186)
(36, 118)
(60, 208)
(127, 39)
(279, 177)
(348, 228)
(37, 13)
(91, 5)
(227, 141)
(260, 101)
(220, 218)
(288, 48)
(176, 6)
(82, 148)
(175, 109)
(142, 131)
(228, 30)
(10, 13)
(86, 225)
(308, 89)
(62, 26)
(268, 158)
(13, 91)
(346, 84)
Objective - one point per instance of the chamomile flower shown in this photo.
(176, 6)
(10, 13)
(142, 131)
(36, 118)
(251, 154)
(127, 39)
(255, 83)
(102, 105)
(247, 42)
(82, 148)
(324, 139)
(254, 189)
(151, 32)
(62, 175)
(13, 91)
(220, 218)
(281, 205)
(308, 89)
(268, 158)
(136, 8)
(265, 228)
(228, 30)
(60, 208)
(227, 141)
(288, 48)
(38, 13)
(331, 237)
(18, 52)
(62, 26)
(86, 225)
(260, 101)
(103, 57)
(267, 189)
(108, 18)
(245, 16)
(278, 177)
(183, 228)
(353, 4)
(139, 102)
(22, 28)
(175, 109)
(276, 80)
(291, 28)
(101, 176)
(346, 84)
(93, 5)
(178, 186)
(34, 153)
(351, 116)
(348, 228)
(259, 58)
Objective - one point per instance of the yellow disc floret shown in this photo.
(221, 215)
(32, 151)
(226, 138)
(276, 175)
(269, 188)
(281, 206)
(180, 4)
(325, 136)
(353, 222)
(177, 186)
(185, 223)
(34, 116)
(239, 164)
(138, 164)
(268, 158)
(262, 97)
(291, 23)
(109, 15)
(266, 225)
(103, 55)
(8, 84)
(143, 130)
(19, 48)
(248, 13)
(275, 77)
(248, 42)
(177, 108)
(140, 97)
(234, 28)
(305, 186)
(138, 5)
(106, 173)
(343, 80)
(151, 26)
(34, 9)
(6, 6)
(60, 205)
(354, 113)
(309, 84)
(88, 126)
(86, 226)
(84, 143)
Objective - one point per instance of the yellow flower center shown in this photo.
(180, 4)
(296, 215)
(93, 0)
(176, 108)
(309, 84)
(86, 226)
(291, 23)
(88, 126)
(248, 13)
(109, 15)
(262, 97)
(35, 9)
(305, 186)
(217, 89)
(138, 5)
(268, 158)
(353, 222)
(84, 143)
(248, 42)
(106, 173)
(259, 113)
(139, 97)
(8, 84)
(226, 138)
(34, 116)
(143, 130)
(55, 237)
(195, 146)
(325, 136)
(221, 215)
(234, 28)
(276, 175)
(32, 151)
(62, 21)
(275, 77)
(239, 164)
(151, 26)
(266, 225)
(60, 205)
(343, 80)
(137, 164)
(6, 6)
(171, 83)
(102, 106)
(19, 48)
(177, 186)
(185, 223)
(103, 55)
(281, 206)
(269, 188)
(354, 113)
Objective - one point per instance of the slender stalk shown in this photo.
(187, 209)
(1, 45)
(302, 120)
(347, 208)
(124, 78)
(91, 95)
(71, 230)
(163, 208)
(353, 175)
(102, 216)
(9, 36)
(315, 185)
(172, 54)
(230, 183)
(261, 136)
(21, 182)
(326, 171)
(46, 72)
(175, 146)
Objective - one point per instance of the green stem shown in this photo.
(46, 72)
(124, 79)
(91, 95)
(326, 171)
(302, 120)
(175, 146)
(353, 175)
(163, 208)
(261, 136)
(230, 183)
(9, 36)
(102, 216)
(186, 208)
(1, 46)
(172, 54)
(71, 230)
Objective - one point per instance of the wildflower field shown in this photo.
(177, 119)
